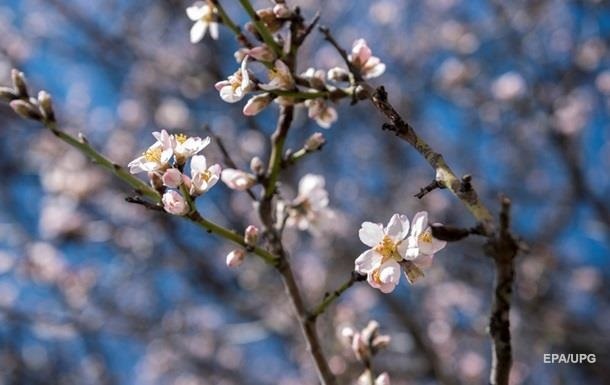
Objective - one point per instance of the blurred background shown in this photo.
(94, 290)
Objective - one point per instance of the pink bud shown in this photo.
(237, 179)
(314, 142)
(174, 203)
(172, 178)
(262, 53)
(256, 104)
(251, 235)
(235, 257)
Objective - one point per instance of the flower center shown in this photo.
(426, 236)
(206, 175)
(153, 154)
(180, 138)
(386, 247)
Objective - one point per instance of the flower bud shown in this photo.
(370, 331)
(338, 74)
(19, 83)
(380, 342)
(8, 94)
(237, 179)
(174, 203)
(25, 109)
(347, 332)
(257, 166)
(262, 53)
(46, 105)
(267, 16)
(235, 257)
(251, 235)
(314, 142)
(281, 11)
(360, 347)
(256, 104)
(172, 178)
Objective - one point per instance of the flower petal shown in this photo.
(419, 223)
(398, 227)
(367, 261)
(371, 233)
(198, 31)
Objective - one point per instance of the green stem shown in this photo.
(232, 236)
(86, 149)
(146, 190)
(226, 20)
(331, 297)
(278, 140)
(261, 28)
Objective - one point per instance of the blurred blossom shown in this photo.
(509, 86)
(472, 365)
(8, 294)
(309, 210)
(59, 216)
(204, 17)
(572, 112)
(172, 113)
(362, 58)
(45, 263)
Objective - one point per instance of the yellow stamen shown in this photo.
(181, 138)
(153, 154)
(386, 247)
(426, 236)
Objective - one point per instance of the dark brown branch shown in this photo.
(428, 188)
(502, 248)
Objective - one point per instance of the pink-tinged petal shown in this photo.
(172, 178)
(424, 261)
(367, 261)
(371, 233)
(375, 71)
(229, 95)
(360, 51)
(419, 223)
(221, 84)
(389, 272)
(411, 252)
(382, 379)
(198, 31)
(437, 245)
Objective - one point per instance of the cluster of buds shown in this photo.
(237, 256)
(18, 97)
(365, 344)
(165, 162)
(315, 89)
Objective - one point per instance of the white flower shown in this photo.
(315, 78)
(172, 178)
(321, 112)
(338, 74)
(156, 157)
(421, 246)
(235, 258)
(308, 210)
(380, 262)
(370, 66)
(237, 179)
(203, 177)
(185, 146)
(174, 203)
(237, 85)
(256, 104)
(204, 17)
(280, 77)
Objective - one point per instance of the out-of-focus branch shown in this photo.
(329, 298)
(501, 245)
(503, 248)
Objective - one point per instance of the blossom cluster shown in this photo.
(394, 246)
(315, 89)
(165, 162)
(365, 344)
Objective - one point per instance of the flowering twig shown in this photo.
(329, 298)
(261, 28)
(226, 20)
(501, 245)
